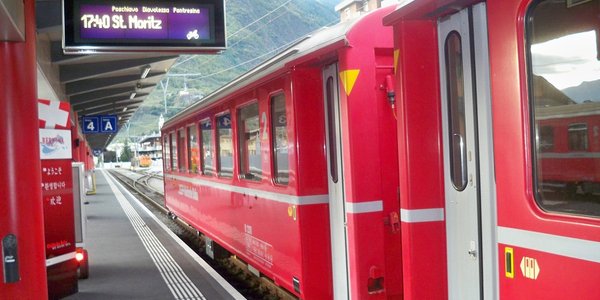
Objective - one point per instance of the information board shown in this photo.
(195, 26)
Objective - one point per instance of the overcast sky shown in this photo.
(567, 61)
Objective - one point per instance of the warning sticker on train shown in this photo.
(348, 79)
(530, 268)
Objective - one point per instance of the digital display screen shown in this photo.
(145, 25)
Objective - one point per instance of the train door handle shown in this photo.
(472, 250)
(459, 142)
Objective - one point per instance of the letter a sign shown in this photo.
(108, 124)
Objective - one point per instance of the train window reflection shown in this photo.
(578, 137)
(546, 139)
(192, 149)
(208, 167)
(280, 139)
(225, 146)
(249, 143)
(564, 76)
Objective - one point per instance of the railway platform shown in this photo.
(132, 255)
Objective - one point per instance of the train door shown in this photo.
(468, 160)
(337, 201)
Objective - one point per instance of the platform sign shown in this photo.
(194, 26)
(99, 124)
(90, 124)
(224, 121)
(97, 152)
(108, 124)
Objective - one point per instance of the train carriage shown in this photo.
(297, 168)
(496, 104)
(457, 162)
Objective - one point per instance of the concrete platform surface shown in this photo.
(134, 256)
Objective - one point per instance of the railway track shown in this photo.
(234, 270)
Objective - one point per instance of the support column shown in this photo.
(21, 212)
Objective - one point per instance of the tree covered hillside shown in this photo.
(256, 30)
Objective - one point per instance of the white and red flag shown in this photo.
(54, 114)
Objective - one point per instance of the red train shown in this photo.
(271, 149)
(404, 155)
(568, 136)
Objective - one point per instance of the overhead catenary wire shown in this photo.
(252, 59)
(241, 29)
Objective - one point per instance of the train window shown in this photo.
(208, 167)
(167, 152)
(578, 137)
(280, 139)
(225, 146)
(563, 71)
(173, 144)
(333, 167)
(546, 139)
(193, 151)
(456, 110)
(181, 147)
(249, 143)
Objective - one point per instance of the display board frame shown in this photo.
(116, 26)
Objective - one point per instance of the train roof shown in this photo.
(334, 37)
(568, 111)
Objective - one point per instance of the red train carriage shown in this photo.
(297, 166)
(568, 136)
(479, 84)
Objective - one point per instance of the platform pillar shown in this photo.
(21, 212)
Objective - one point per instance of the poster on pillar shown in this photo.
(57, 191)
(57, 196)
(56, 153)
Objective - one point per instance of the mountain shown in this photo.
(256, 31)
(587, 90)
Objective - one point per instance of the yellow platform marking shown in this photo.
(348, 78)
(396, 58)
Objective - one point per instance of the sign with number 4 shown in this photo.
(91, 125)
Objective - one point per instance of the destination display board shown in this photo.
(183, 26)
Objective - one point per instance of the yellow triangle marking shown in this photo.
(348, 78)
(396, 57)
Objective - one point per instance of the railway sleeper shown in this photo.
(264, 284)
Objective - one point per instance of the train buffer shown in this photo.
(132, 255)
